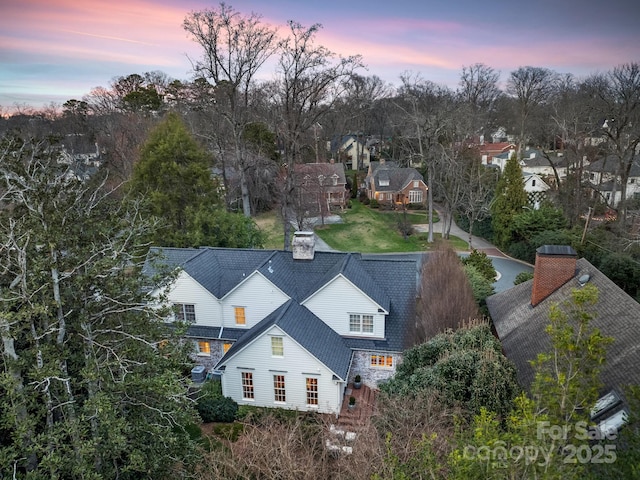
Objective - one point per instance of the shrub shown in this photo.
(373, 203)
(523, 277)
(217, 409)
(482, 264)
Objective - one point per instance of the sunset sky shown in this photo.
(55, 50)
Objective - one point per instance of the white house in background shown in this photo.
(536, 188)
(602, 176)
(351, 150)
(292, 329)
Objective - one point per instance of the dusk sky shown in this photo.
(55, 50)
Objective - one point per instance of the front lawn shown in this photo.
(369, 230)
(363, 229)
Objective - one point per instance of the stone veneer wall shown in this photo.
(217, 351)
(371, 376)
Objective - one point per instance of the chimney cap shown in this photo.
(556, 250)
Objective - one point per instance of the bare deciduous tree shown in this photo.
(309, 81)
(234, 48)
(445, 299)
(531, 86)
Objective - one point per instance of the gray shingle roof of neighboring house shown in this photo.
(520, 326)
(306, 329)
(396, 177)
(610, 165)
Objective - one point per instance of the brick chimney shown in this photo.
(303, 245)
(555, 266)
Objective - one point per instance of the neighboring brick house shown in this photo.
(391, 185)
(292, 329)
(521, 314)
(321, 187)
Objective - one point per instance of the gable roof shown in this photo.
(610, 165)
(218, 270)
(520, 326)
(315, 169)
(391, 283)
(397, 178)
(304, 328)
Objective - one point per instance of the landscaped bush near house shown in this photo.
(482, 263)
(213, 407)
(373, 203)
(217, 409)
(523, 277)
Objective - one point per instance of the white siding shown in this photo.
(187, 290)
(296, 365)
(257, 295)
(335, 301)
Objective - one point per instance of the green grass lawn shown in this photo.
(364, 230)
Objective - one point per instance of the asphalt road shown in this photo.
(507, 268)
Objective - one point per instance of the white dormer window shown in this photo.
(384, 182)
(359, 323)
(320, 179)
(334, 179)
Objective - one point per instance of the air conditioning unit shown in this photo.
(198, 374)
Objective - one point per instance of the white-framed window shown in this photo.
(312, 391)
(382, 361)
(279, 394)
(416, 184)
(247, 385)
(359, 323)
(277, 347)
(204, 348)
(240, 316)
(415, 196)
(334, 179)
(185, 312)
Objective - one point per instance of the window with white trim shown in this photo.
(247, 385)
(359, 323)
(416, 183)
(381, 361)
(279, 394)
(204, 348)
(185, 312)
(312, 391)
(415, 196)
(277, 347)
(240, 316)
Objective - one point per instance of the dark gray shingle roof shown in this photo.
(520, 326)
(306, 329)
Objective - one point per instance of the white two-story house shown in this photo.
(292, 329)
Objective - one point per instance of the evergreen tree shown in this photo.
(174, 172)
(509, 201)
(88, 388)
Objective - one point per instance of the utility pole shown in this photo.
(586, 224)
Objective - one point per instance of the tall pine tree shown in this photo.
(509, 201)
